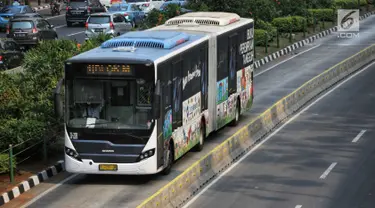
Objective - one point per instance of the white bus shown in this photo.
(142, 100)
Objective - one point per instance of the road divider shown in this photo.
(177, 192)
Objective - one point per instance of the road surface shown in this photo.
(323, 158)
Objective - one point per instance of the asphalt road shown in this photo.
(323, 158)
(270, 86)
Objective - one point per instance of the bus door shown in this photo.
(232, 62)
(165, 121)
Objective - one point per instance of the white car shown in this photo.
(146, 6)
(112, 24)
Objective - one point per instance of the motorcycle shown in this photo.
(55, 9)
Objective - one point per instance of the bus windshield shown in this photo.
(111, 104)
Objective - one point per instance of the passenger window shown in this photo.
(41, 24)
(117, 19)
(47, 25)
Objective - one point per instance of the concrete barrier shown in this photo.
(183, 187)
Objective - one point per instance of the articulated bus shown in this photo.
(142, 100)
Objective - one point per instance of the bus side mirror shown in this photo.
(58, 100)
(156, 101)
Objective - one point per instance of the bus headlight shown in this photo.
(72, 153)
(146, 154)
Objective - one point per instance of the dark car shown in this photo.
(27, 15)
(29, 31)
(80, 10)
(10, 54)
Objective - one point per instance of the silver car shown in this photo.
(112, 24)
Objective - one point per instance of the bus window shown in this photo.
(177, 94)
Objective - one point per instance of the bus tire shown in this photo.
(199, 147)
(237, 114)
(168, 169)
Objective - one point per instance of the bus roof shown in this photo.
(149, 46)
(204, 23)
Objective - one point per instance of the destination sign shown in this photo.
(108, 69)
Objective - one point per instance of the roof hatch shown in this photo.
(147, 39)
(205, 18)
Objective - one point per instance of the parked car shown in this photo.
(77, 11)
(107, 23)
(29, 31)
(11, 54)
(136, 15)
(147, 5)
(9, 11)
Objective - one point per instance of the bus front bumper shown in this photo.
(145, 167)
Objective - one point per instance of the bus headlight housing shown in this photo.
(72, 153)
(146, 154)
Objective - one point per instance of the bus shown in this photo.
(142, 100)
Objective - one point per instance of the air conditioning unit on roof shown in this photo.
(205, 18)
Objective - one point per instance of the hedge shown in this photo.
(260, 37)
(4, 163)
(263, 25)
(349, 4)
(291, 23)
(322, 14)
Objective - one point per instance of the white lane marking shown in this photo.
(60, 26)
(298, 206)
(272, 134)
(49, 190)
(266, 70)
(54, 17)
(75, 33)
(329, 169)
(359, 136)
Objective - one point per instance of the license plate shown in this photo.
(108, 167)
(98, 30)
(20, 35)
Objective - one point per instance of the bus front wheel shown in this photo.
(168, 168)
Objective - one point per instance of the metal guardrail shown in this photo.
(24, 151)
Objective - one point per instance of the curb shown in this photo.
(37, 8)
(32, 182)
(300, 44)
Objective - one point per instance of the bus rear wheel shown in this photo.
(168, 169)
(199, 146)
(237, 114)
